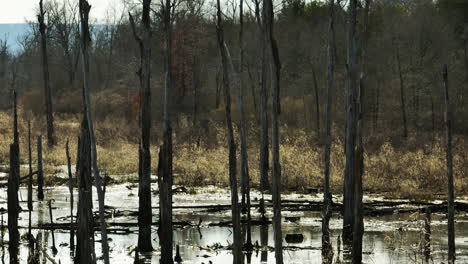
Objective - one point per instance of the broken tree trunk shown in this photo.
(85, 46)
(327, 249)
(350, 143)
(450, 189)
(40, 172)
(70, 188)
(166, 168)
(275, 67)
(237, 245)
(144, 171)
(45, 71)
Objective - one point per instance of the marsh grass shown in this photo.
(394, 169)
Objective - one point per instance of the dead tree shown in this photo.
(450, 189)
(12, 191)
(225, 59)
(70, 188)
(40, 172)
(144, 170)
(264, 144)
(85, 46)
(350, 143)
(45, 70)
(30, 180)
(275, 66)
(165, 187)
(327, 250)
(244, 162)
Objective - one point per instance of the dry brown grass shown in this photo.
(400, 172)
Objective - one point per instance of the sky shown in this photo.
(20, 11)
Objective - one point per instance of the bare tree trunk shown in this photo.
(450, 189)
(86, 40)
(427, 234)
(70, 188)
(317, 104)
(40, 173)
(30, 183)
(225, 58)
(264, 148)
(165, 230)
(144, 191)
(350, 143)
(327, 249)
(402, 94)
(275, 66)
(45, 69)
(13, 187)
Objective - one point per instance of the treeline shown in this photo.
(408, 43)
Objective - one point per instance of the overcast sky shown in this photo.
(19, 11)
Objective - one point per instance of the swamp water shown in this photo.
(396, 238)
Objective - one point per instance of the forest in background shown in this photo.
(409, 41)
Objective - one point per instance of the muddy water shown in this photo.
(389, 239)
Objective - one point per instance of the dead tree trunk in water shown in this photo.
(13, 187)
(275, 66)
(165, 188)
(85, 45)
(225, 58)
(85, 222)
(45, 69)
(350, 143)
(327, 250)
(70, 188)
(30, 182)
(40, 172)
(244, 164)
(450, 189)
(264, 151)
(144, 171)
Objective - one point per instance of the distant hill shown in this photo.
(12, 32)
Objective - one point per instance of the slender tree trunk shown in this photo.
(317, 104)
(40, 173)
(70, 188)
(30, 183)
(12, 191)
(86, 41)
(350, 177)
(225, 58)
(275, 67)
(327, 250)
(450, 189)
(144, 187)
(45, 69)
(402, 94)
(165, 232)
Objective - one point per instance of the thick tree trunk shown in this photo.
(85, 46)
(350, 143)
(450, 189)
(40, 172)
(275, 67)
(70, 188)
(327, 250)
(166, 168)
(144, 186)
(45, 69)
(225, 58)
(12, 191)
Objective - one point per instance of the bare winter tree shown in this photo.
(226, 62)
(45, 70)
(275, 66)
(144, 170)
(85, 49)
